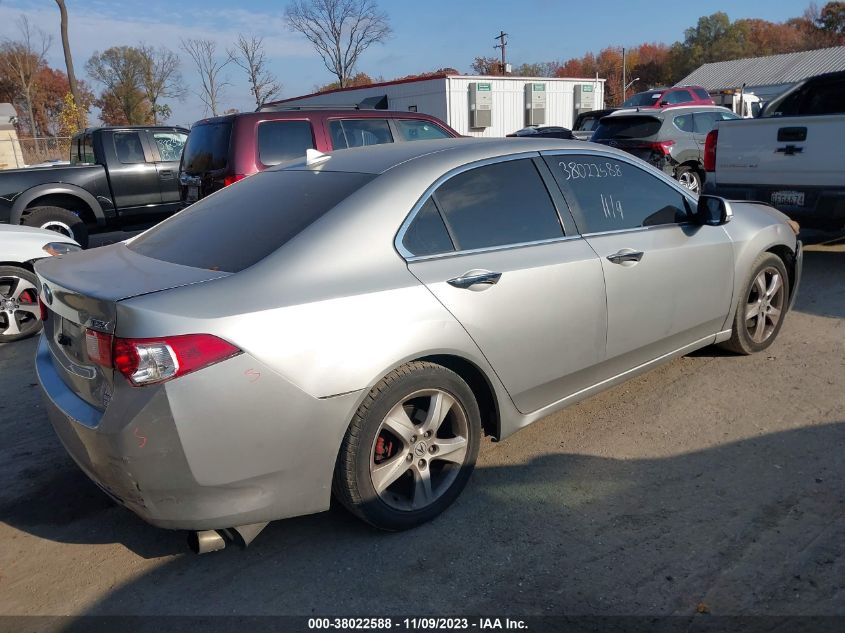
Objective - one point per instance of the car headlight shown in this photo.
(60, 248)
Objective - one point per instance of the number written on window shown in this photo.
(573, 170)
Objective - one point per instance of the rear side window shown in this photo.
(498, 204)
(279, 141)
(684, 122)
(678, 96)
(701, 93)
(128, 147)
(242, 224)
(207, 148)
(626, 127)
(418, 130)
(86, 149)
(611, 195)
(359, 132)
(170, 145)
(427, 234)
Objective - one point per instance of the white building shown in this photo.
(463, 101)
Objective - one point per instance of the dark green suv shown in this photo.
(671, 139)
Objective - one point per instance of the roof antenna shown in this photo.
(315, 157)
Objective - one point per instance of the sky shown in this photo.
(426, 35)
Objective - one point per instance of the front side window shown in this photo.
(702, 94)
(611, 195)
(418, 130)
(678, 96)
(170, 145)
(359, 132)
(499, 204)
(279, 141)
(128, 147)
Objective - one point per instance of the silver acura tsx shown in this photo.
(352, 323)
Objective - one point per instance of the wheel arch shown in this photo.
(787, 255)
(66, 196)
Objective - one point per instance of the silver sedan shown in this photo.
(351, 324)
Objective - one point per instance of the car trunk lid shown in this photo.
(81, 292)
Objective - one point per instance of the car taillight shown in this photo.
(98, 346)
(663, 147)
(710, 150)
(230, 180)
(45, 313)
(147, 361)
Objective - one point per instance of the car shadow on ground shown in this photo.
(744, 527)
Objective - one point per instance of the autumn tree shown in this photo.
(210, 68)
(160, 79)
(356, 81)
(248, 53)
(21, 61)
(121, 71)
(832, 18)
(339, 30)
(536, 69)
(71, 74)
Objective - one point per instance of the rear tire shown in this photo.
(59, 220)
(762, 306)
(20, 315)
(689, 178)
(410, 448)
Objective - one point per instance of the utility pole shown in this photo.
(503, 42)
(624, 78)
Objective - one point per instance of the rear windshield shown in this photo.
(624, 127)
(207, 148)
(643, 99)
(240, 225)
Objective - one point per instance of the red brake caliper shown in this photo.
(383, 450)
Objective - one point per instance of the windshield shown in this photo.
(626, 127)
(643, 99)
(207, 148)
(240, 225)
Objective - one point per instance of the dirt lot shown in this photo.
(715, 479)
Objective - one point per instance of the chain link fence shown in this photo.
(19, 152)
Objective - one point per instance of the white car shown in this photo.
(20, 246)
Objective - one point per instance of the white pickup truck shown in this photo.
(792, 157)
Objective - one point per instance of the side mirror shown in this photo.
(713, 211)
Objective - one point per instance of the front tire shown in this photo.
(20, 315)
(410, 448)
(59, 220)
(762, 306)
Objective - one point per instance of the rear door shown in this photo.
(669, 282)
(167, 148)
(489, 244)
(132, 171)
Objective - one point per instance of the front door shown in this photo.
(669, 282)
(490, 246)
(133, 174)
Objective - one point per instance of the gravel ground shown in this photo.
(713, 482)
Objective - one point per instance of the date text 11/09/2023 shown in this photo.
(417, 624)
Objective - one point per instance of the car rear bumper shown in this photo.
(190, 455)
(823, 208)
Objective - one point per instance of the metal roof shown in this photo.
(767, 71)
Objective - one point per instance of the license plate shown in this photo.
(193, 194)
(788, 198)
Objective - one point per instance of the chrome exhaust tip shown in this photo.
(205, 541)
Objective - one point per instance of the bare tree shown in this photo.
(160, 79)
(121, 70)
(209, 67)
(71, 75)
(249, 55)
(22, 60)
(340, 30)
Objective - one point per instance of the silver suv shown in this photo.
(671, 139)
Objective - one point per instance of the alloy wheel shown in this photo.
(689, 180)
(419, 449)
(19, 311)
(764, 305)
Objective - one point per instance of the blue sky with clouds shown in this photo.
(427, 35)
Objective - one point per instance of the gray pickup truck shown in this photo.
(117, 176)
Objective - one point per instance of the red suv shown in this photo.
(668, 97)
(225, 149)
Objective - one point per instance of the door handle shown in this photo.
(789, 150)
(625, 256)
(471, 278)
(166, 173)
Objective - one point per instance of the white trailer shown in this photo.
(464, 101)
(745, 104)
